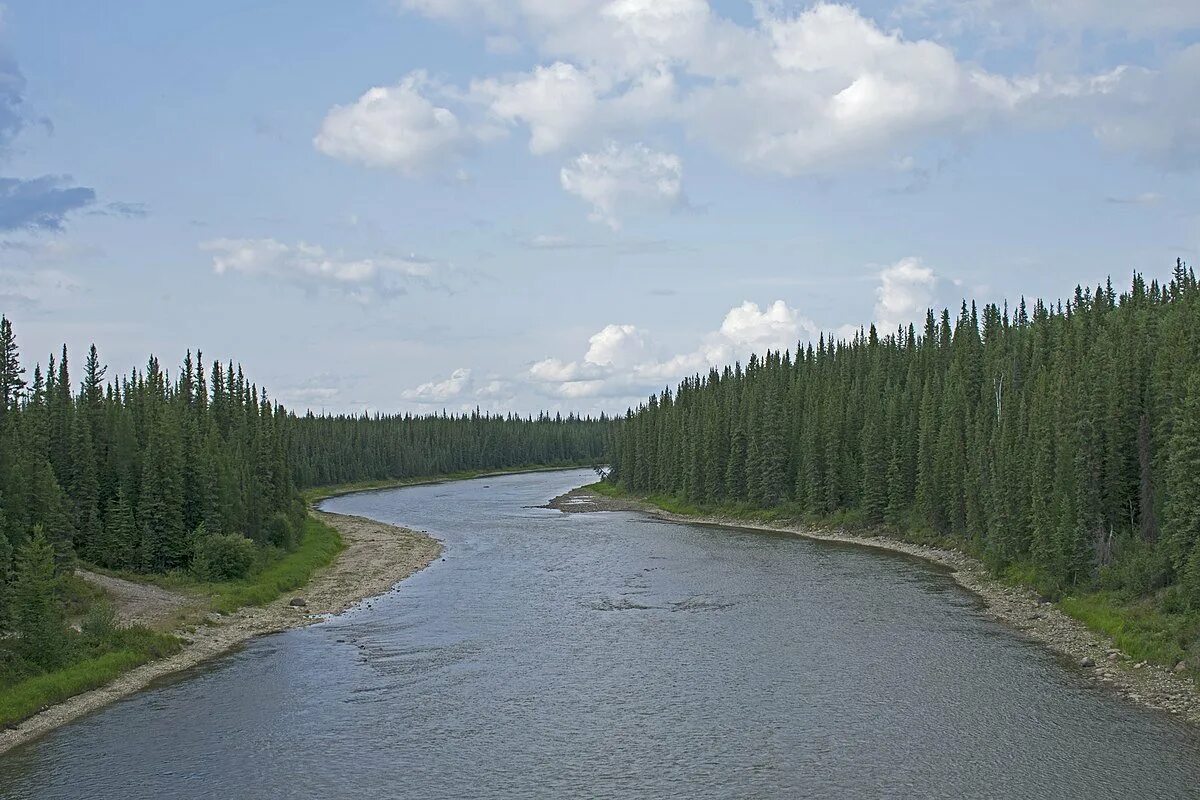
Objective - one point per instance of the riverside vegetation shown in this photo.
(194, 482)
(1059, 443)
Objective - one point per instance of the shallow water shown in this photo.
(610, 655)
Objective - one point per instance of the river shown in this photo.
(610, 655)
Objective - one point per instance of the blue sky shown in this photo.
(564, 204)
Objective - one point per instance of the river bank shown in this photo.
(375, 557)
(1101, 660)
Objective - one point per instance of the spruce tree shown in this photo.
(38, 618)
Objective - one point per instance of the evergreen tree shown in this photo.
(38, 619)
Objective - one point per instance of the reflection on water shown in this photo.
(608, 655)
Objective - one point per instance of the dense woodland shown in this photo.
(1061, 441)
(196, 473)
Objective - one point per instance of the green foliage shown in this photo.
(1139, 628)
(120, 651)
(1059, 442)
(100, 621)
(223, 557)
(38, 625)
(318, 547)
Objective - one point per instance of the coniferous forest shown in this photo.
(1060, 442)
(197, 473)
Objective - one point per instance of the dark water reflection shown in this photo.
(608, 655)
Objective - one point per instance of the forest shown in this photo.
(1059, 442)
(196, 474)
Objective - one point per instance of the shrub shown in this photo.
(223, 557)
(1138, 568)
(100, 621)
(280, 531)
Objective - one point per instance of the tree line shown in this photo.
(199, 471)
(1060, 438)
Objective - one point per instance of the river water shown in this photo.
(613, 656)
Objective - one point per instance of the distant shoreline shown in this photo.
(377, 556)
(1149, 685)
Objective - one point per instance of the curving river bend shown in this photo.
(609, 655)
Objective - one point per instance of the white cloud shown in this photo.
(810, 92)
(774, 328)
(557, 102)
(312, 267)
(461, 392)
(840, 91)
(621, 362)
(616, 346)
(435, 392)
(618, 179)
(905, 293)
(395, 127)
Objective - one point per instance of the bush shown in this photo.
(223, 557)
(100, 621)
(1137, 569)
(318, 547)
(281, 532)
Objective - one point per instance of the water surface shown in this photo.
(613, 656)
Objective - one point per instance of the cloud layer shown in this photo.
(315, 269)
(791, 93)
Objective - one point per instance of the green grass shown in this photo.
(318, 548)
(137, 646)
(607, 489)
(319, 545)
(780, 514)
(1141, 629)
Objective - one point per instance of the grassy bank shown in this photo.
(1141, 627)
(122, 651)
(319, 546)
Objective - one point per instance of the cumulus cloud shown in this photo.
(624, 178)
(557, 103)
(905, 293)
(840, 91)
(814, 91)
(396, 127)
(436, 392)
(621, 361)
(313, 268)
(40, 204)
(773, 328)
